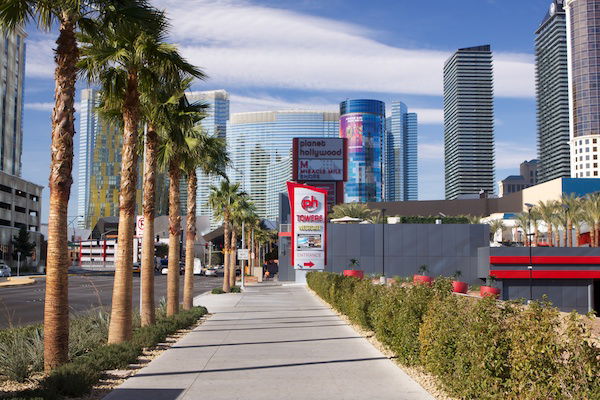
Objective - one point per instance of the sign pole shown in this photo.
(243, 261)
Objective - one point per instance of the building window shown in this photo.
(34, 198)
(587, 173)
(33, 213)
(5, 189)
(21, 210)
(5, 206)
(33, 228)
(20, 193)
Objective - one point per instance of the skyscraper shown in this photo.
(99, 172)
(260, 145)
(362, 122)
(400, 167)
(12, 75)
(469, 122)
(215, 124)
(583, 34)
(552, 92)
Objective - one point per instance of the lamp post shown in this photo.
(243, 247)
(383, 279)
(104, 255)
(530, 266)
(18, 263)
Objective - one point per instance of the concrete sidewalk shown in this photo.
(275, 342)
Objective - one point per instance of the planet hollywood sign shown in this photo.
(319, 159)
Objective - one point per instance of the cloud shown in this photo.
(429, 116)
(39, 106)
(40, 57)
(511, 154)
(246, 45)
(431, 151)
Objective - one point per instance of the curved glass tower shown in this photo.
(362, 122)
(260, 146)
(583, 33)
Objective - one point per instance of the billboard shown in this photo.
(351, 128)
(319, 159)
(309, 226)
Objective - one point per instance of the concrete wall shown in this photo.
(444, 248)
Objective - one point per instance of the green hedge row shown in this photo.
(479, 349)
(79, 376)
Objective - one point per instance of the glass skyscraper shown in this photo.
(552, 92)
(215, 123)
(400, 167)
(583, 35)
(469, 122)
(260, 143)
(12, 76)
(362, 122)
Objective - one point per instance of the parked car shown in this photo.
(4, 270)
(165, 270)
(137, 268)
(214, 271)
(198, 270)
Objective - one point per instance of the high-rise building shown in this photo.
(552, 92)
(260, 145)
(12, 76)
(362, 122)
(515, 183)
(215, 124)
(583, 34)
(100, 144)
(400, 166)
(469, 122)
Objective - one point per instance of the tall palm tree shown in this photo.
(524, 222)
(588, 216)
(221, 200)
(118, 56)
(546, 212)
(210, 155)
(495, 226)
(593, 206)
(535, 218)
(571, 209)
(560, 222)
(241, 207)
(70, 16)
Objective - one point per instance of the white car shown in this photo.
(214, 271)
(4, 270)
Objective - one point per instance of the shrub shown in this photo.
(22, 353)
(235, 289)
(87, 333)
(75, 379)
(217, 290)
(483, 349)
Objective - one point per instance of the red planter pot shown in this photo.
(355, 273)
(422, 279)
(489, 291)
(460, 287)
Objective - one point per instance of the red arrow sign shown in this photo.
(309, 264)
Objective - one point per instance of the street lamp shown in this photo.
(383, 280)
(104, 255)
(530, 266)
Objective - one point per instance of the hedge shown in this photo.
(79, 376)
(478, 349)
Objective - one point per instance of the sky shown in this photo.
(312, 54)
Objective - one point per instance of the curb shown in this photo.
(19, 282)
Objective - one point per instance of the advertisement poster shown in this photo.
(351, 128)
(309, 226)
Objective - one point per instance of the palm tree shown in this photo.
(535, 218)
(119, 56)
(210, 155)
(354, 210)
(524, 222)
(593, 207)
(571, 205)
(560, 221)
(546, 211)
(221, 200)
(495, 226)
(71, 16)
(241, 207)
(588, 216)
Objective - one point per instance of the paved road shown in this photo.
(270, 343)
(25, 304)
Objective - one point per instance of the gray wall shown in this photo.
(444, 248)
(566, 294)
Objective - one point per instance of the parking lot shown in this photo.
(25, 304)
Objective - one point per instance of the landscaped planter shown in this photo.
(357, 273)
(486, 291)
(460, 287)
(422, 279)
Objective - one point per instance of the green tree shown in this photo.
(119, 57)
(21, 244)
(495, 226)
(70, 16)
(354, 210)
(546, 212)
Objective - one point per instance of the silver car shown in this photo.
(4, 270)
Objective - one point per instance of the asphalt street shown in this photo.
(22, 305)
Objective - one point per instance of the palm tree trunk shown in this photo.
(557, 236)
(233, 257)
(577, 233)
(150, 164)
(592, 237)
(549, 233)
(190, 239)
(121, 312)
(226, 285)
(174, 232)
(597, 229)
(536, 233)
(56, 305)
(569, 232)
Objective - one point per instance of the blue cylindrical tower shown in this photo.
(362, 122)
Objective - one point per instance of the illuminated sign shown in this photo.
(309, 229)
(319, 159)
